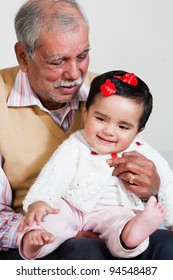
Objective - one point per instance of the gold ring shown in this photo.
(131, 180)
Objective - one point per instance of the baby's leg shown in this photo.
(52, 232)
(34, 240)
(143, 224)
(111, 222)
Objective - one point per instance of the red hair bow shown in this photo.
(108, 88)
(128, 78)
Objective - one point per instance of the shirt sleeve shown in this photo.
(9, 220)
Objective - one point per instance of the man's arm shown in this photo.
(9, 220)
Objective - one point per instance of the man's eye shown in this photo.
(58, 62)
(83, 56)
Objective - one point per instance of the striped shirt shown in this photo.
(22, 95)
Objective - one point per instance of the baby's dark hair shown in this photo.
(140, 93)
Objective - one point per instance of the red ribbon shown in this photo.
(128, 78)
(108, 88)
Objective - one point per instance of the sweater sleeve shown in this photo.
(165, 194)
(55, 177)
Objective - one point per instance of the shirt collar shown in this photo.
(23, 95)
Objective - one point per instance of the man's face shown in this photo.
(59, 66)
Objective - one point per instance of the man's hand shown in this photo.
(145, 180)
(36, 212)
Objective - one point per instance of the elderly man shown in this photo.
(41, 104)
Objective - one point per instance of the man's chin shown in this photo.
(65, 99)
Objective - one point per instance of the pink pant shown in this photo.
(108, 221)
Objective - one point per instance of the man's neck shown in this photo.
(51, 105)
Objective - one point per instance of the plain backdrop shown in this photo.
(132, 35)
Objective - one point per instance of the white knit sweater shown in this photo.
(74, 174)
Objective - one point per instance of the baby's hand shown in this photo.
(171, 228)
(36, 212)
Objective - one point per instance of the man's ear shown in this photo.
(21, 56)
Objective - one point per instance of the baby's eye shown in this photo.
(100, 119)
(123, 127)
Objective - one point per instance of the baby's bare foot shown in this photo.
(143, 224)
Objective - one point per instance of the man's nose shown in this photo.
(72, 71)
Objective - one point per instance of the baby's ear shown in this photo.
(140, 130)
(84, 114)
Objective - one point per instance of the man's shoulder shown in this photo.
(89, 77)
(10, 72)
(7, 77)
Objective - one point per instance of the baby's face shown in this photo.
(111, 123)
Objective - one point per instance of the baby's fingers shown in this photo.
(21, 226)
(51, 210)
(27, 221)
(38, 217)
